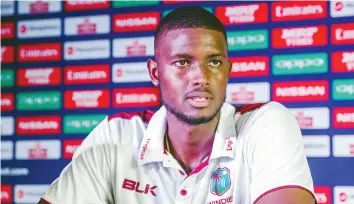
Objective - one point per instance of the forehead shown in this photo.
(191, 40)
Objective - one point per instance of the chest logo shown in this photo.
(220, 181)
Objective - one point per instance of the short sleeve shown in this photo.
(87, 178)
(275, 152)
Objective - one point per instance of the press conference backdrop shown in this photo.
(67, 65)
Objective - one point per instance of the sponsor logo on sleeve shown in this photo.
(136, 97)
(164, 13)
(250, 66)
(6, 191)
(7, 8)
(7, 30)
(343, 117)
(7, 101)
(299, 36)
(81, 124)
(38, 125)
(87, 25)
(343, 146)
(342, 34)
(39, 7)
(246, 93)
(90, 49)
(29, 193)
(7, 54)
(247, 40)
(133, 47)
(69, 148)
(7, 77)
(323, 194)
(342, 8)
(343, 89)
(311, 118)
(38, 149)
(39, 52)
(343, 194)
(87, 99)
(240, 14)
(87, 74)
(297, 91)
(343, 61)
(45, 100)
(130, 72)
(6, 150)
(312, 63)
(317, 145)
(133, 3)
(136, 21)
(298, 10)
(39, 28)
(38, 76)
(7, 125)
(80, 5)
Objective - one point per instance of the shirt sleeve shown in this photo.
(87, 178)
(275, 152)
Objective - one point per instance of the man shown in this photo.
(196, 148)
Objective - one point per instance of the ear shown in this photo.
(230, 67)
(153, 72)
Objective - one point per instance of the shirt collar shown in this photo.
(152, 146)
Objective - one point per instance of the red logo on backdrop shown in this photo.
(39, 76)
(303, 120)
(298, 10)
(323, 194)
(35, 125)
(342, 34)
(136, 21)
(87, 99)
(86, 27)
(69, 148)
(39, 7)
(7, 54)
(343, 117)
(39, 52)
(89, 74)
(79, 5)
(299, 36)
(343, 61)
(6, 194)
(7, 101)
(239, 14)
(37, 152)
(300, 91)
(136, 49)
(7, 30)
(136, 97)
(250, 66)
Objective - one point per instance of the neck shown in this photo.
(191, 144)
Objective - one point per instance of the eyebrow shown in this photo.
(191, 57)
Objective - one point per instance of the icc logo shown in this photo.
(220, 181)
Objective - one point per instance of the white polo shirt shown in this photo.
(256, 150)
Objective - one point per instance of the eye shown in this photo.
(214, 63)
(182, 63)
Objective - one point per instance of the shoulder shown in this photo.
(252, 115)
(124, 128)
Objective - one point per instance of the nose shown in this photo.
(200, 76)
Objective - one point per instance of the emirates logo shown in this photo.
(136, 49)
(37, 152)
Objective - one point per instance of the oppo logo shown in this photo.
(299, 63)
(345, 88)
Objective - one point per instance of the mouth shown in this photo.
(199, 99)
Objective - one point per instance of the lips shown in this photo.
(199, 99)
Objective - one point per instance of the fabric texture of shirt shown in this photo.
(257, 149)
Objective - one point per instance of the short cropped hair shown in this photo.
(189, 17)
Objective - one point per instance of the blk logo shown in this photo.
(135, 185)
